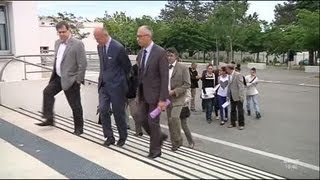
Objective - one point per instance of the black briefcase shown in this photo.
(185, 112)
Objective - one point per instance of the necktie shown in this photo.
(171, 66)
(143, 62)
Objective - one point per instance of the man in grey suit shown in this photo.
(236, 96)
(179, 82)
(69, 68)
(153, 87)
(112, 85)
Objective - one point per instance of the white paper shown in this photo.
(209, 93)
(226, 104)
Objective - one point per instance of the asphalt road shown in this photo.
(289, 127)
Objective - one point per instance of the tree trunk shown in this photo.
(257, 59)
(204, 56)
(311, 57)
(283, 56)
(228, 58)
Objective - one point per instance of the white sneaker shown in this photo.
(217, 118)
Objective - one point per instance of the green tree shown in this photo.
(76, 23)
(121, 28)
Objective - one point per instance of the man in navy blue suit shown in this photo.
(115, 66)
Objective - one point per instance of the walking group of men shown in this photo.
(224, 86)
(156, 84)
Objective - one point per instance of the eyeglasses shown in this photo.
(140, 36)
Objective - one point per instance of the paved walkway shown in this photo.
(64, 155)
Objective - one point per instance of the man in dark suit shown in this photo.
(153, 87)
(69, 68)
(112, 85)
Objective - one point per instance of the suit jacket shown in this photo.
(236, 87)
(155, 77)
(114, 68)
(179, 82)
(73, 65)
(133, 82)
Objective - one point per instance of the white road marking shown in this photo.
(313, 85)
(263, 153)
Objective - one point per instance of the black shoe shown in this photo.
(138, 134)
(249, 113)
(258, 115)
(46, 123)
(109, 141)
(164, 137)
(78, 132)
(209, 121)
(152, 156)
(222, 123)
(121, 142)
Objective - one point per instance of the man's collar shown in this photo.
(109, 40)
(67, 41)
(174, 64)
(149, 47)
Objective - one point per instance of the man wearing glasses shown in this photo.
(153, 87)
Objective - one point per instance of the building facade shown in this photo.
(19, 30)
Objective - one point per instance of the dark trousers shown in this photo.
(151, 126)
(237, 109)
(72, 95)
(117, 100)
(223, 112)
(208, 104)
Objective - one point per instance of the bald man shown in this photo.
(112, 85)
(153, 87)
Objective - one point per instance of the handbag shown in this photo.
(185, 112)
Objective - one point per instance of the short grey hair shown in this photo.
(148, 29)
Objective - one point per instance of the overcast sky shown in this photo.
(93, 9)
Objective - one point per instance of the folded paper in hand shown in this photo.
(210, 92)
(226, 104)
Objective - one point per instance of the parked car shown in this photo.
(304, 62)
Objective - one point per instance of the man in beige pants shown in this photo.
(179, 82)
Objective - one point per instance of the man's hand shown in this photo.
(171, 93)
(162, 105)
(241, 98)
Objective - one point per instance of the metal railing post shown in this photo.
(25, 69)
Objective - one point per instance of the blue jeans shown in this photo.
(221, 101)
(209, 107)
(254, 99)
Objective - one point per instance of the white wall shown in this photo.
(48, 36)
(24, 29)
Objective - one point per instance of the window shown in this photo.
(4, 40)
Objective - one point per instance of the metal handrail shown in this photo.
(29, 63)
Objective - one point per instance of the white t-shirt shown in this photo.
(251, 87)
(224, 82)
